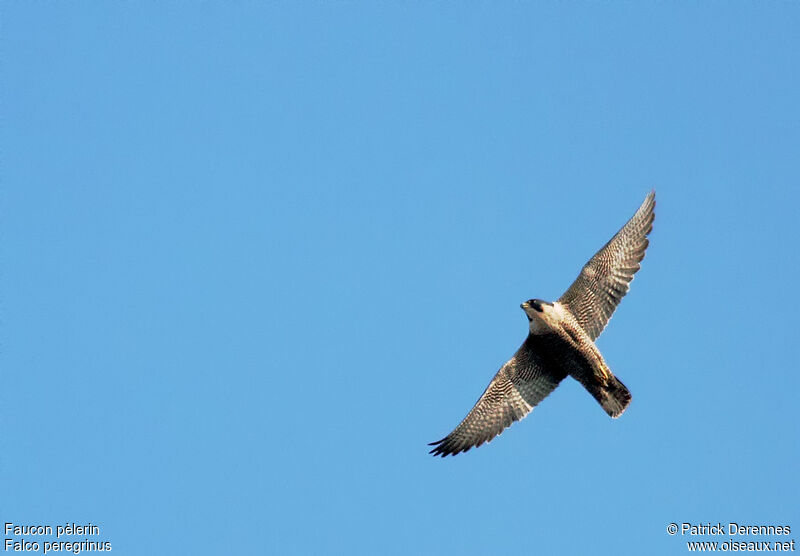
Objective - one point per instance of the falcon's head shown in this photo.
(541, 314)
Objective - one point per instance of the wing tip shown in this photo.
(649, 203)
(448, 447)
(646, 214)
(442, 449)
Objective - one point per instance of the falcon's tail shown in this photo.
(614, 397)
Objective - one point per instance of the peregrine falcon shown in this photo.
(560, 342)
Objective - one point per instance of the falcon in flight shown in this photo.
(560, 342)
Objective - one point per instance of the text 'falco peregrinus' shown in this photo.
(560, 342)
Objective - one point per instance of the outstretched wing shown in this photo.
(605, 279)
(517, 387)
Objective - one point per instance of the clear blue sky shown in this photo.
(255, 256)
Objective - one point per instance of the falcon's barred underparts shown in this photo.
(560, 342)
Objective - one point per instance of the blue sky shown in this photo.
(255, 256)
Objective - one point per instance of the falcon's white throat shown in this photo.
(547, 320)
